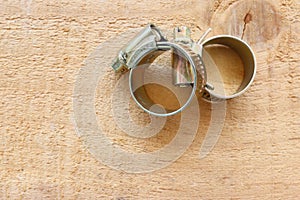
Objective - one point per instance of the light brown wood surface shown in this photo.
(43, 45)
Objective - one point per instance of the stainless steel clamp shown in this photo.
(144, 49)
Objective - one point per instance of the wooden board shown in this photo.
(43, 45)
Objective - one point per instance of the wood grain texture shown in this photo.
(42, 47)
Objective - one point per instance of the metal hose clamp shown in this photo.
(143, 50)
(239, 46)
(249, 63)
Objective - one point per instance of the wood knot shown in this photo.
(256, 21)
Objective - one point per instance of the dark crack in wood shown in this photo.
(247, 19)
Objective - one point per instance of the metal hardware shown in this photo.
(198, 75)
(203, 36)
(182, 70)
(126, 58)
(188, 67)
(182, 73)
(249, 61)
